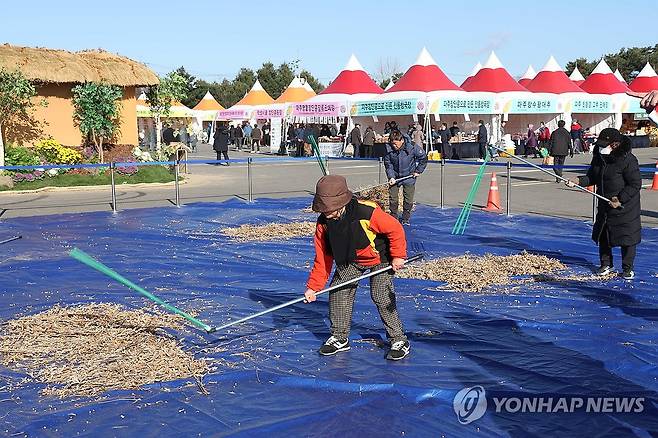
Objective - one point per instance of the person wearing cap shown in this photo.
(616, 174)
(358, 236)
(403, 158)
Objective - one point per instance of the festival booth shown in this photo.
(528, 76)
(606, 101)
(637, 126)
(206, 110)
(410, 97)
(475, 70)
(179, 116)
(352, 85)
(297, 91)
(494, 95)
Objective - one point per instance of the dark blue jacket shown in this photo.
(404, 162)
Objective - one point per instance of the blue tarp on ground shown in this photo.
(556, 339)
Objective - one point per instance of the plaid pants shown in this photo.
(382, 292)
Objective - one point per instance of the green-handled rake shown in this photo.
(462, 220)
(316, 152)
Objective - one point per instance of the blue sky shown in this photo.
(213, 39)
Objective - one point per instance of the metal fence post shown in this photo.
(509, 187)
(326, 164)
(443, 164)
(249, 180)
(114, 189)
(381, 165)
(176, 174)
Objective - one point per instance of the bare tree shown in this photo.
(386, 68)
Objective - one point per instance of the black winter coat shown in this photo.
(482, 135)
(560, 143)
(220, 141)
(617, 174)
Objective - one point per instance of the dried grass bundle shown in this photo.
(469, 273)
(86, 350)
(271, 231)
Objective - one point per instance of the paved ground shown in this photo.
(531, 192)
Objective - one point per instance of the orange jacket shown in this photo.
(381, 231)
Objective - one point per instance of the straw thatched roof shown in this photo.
(61, 66)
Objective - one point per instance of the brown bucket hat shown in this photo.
(331, 194)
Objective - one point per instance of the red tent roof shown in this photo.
(603, 81)
(352, 80)
(551, 79)
(425, 75)
(493, 78)
(528, 76)
(646, 81)
(476, 69)
(576, 77)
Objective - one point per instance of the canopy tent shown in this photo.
(528, 76)
(603, 81)
(424, 76)
(618, 75)
(352, 84)
(646, 80)
(255, 98)
(577, 77)
(552, 79)
(476, 69)
(390, 84)
(297, 91)
(207, 108)
(176, 111)
(493, 78)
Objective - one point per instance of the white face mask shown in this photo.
(605, 151)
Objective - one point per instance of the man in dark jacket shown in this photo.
(220, 142)
(403, 158)
(559, 147)
(616, 173)
(444, 140)
(368, 142)
(482, 140)
(355, 140)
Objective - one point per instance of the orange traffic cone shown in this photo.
(493, 203)
(654, 186)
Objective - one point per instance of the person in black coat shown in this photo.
(444, 139)
(483, 139)
(220, 142)
(559, 147)
(616, 173)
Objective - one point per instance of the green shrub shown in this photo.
(20, 156)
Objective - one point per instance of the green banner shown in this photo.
(462, 105)
(396, 107)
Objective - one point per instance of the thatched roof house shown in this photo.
(56, 72)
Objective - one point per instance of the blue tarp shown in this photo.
(561, 339)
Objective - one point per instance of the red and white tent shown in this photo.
(493, 78)
(422, 77)
(528, 76)
(646, 80)
(476, 69)
(552, 79)
(603, 81)
(352, 84)
(390, 84)
(576, 76)
(618, 75)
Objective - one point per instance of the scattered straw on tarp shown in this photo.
(470, 273)
(89, 349)
(271, 231)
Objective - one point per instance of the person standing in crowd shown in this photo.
(531, 143)
(616, 174)
(387, 128)
(239, 137)
(355, 140)
(290, 138)
(559, 147)
(324, 131)
(417, 134)
(333, 132)
(444, 141)
(168, 135)
(246, 131)
(577, 136)
(544, 136)
(482, 139)
(454, 129)
(266, 134)
(403, 158)
(220, 142)
(256, 136)
(368, 142)
(358, 236)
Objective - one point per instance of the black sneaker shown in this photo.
(399, 350)
(405, 222)
(334, 345)
(628, 274)
(604, 270)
